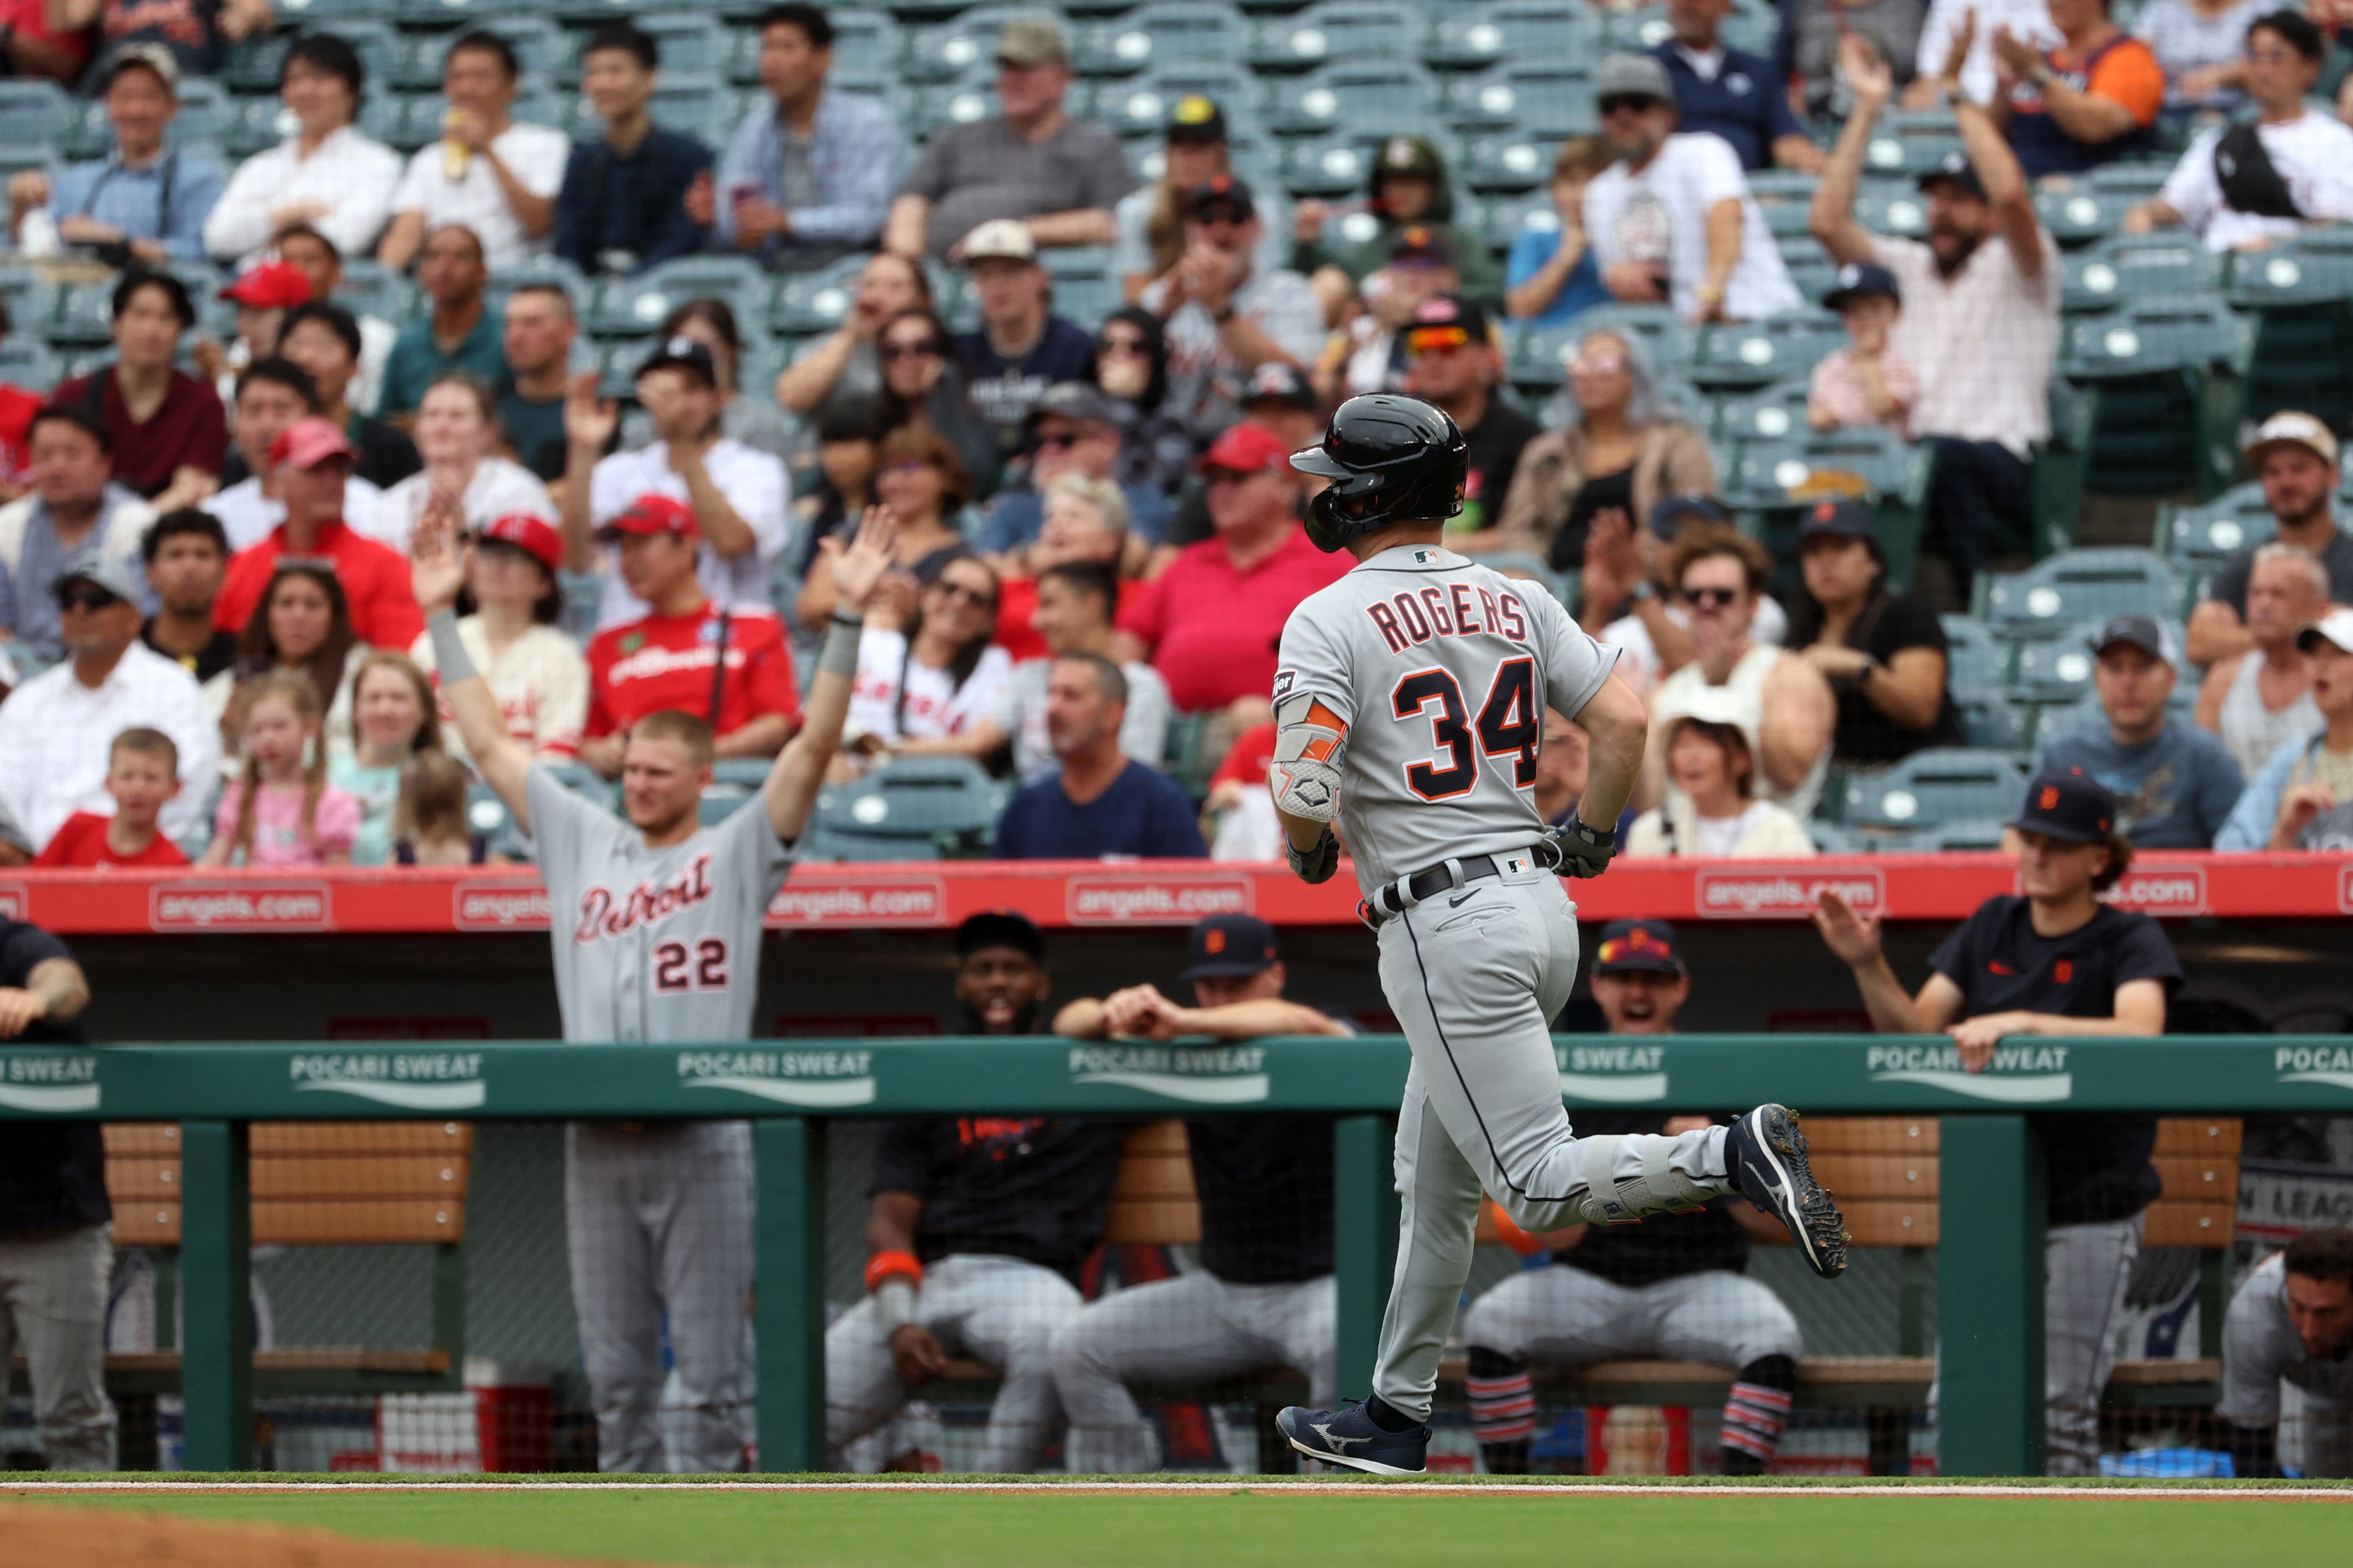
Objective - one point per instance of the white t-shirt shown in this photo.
(1636, 651)
(2027, 19)
(1720, 836)
(2313, 153)
(246, 514)
(755, 484)
(1661, 214)
(541, 682)
(499, 487)
(936, 706)
(534, 154)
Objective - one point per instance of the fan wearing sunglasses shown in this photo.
(1781, 704)
(927, 665)
(924, 385)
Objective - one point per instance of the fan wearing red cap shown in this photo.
(308, 466)
(1209, 623)
(515, 638)
(726, 664)
(262, 294)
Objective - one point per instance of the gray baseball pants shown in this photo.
(1476, 979)
(659, 1218)
(1002, 1311)
(1566, 1317)
(1190, 1329)
(2086, 1268)
(53, 1308)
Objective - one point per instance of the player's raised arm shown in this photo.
(793, 782)
(437, 570)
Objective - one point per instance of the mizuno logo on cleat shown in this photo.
(1325, 1432)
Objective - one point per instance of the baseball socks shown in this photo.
(1502, 1410)
(1754, 1412)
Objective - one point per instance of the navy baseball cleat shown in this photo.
(1347, 1436)
(1766, 1155)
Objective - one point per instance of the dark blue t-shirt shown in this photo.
(1744, 104)
(2172, 792)
(52, 1173)
(1145, 813)
(1004, 390)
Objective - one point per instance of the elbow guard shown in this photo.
(1310, 748)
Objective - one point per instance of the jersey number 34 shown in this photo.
(1510, 723)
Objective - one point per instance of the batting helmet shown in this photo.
(1390, 459)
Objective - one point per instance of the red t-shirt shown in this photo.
(31, 20)
(189, 431)
(1017, 600)
(666, 661)
(1214, 631)
(82, 842)
(373, 577)
(1249, 758)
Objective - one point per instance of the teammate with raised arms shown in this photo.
(656, 925)
(1409, 702)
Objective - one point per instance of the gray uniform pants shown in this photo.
(1566, 1317)
(1188, 1330)
(1002, 1311)
(53, 1308)
(1476, 978)
(659, 1223)
(2086, 1268)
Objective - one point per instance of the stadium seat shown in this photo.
(914, 12)
(1532, 30)
(1542, 101)
(1941, 784)
(488, 815)
(813, 302)
(2167, 378)
(1990, 720)
(2080, 585)
(1977, 832)
(2077, 214)
(1643, 27)
(2171, 262)
(1506, 166)
(637, 305)
(909, 808)
(322, 14)
(2054, 668)
(1538, 354)
(1775, 483)
(1334, 33)
(370, 289)
(1892, 207)
(1173, 33)
(2301, 294)
(1362, 96)
(1809, 265)
(1323, 167)
(539, 269)
(1908, 144)
(933, 109)
(2197, 540)
(256, 124)
(1139, 107)
(84, 316)
(689, 40)
(1752, 353)
(865, 44)
(546, 52)
(1774, 413)
(1509, 215)
(962, 49)
(1787, 199)
(1975, 659)
(689, 101)
(36, 114)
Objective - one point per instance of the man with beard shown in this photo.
(1224, 316)
(1981, 317)
(2293, 457)
(1001, 979)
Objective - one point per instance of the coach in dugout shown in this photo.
(1673, 1287)
(980, 1227)
(2054, 960)
(2292, 1321)
(1262, 1295)
(55, 1246)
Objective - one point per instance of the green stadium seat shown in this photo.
(1752, 353)
(1174, 33)
(1645, 27)
(488, 816)
(1836, 838)
(539, 269)
(812, 302)
(637, 305)
(1977, 832)
(36, 114)
(935, 108)
(1362, 96)
(333, 14)
(1537, 360)
(256, 124)
(2134, 182)
(962, 49)
(1139, 108)
(2166, 378)
(1941, 784)
(1478, 37)
(910, 808)
(1505, 165)
(1334, 32)
(2197, 540)
(1323, 167)
(1787, 199)
(84, 316)
(1990, 720)
(2137, 267)
(914, 13)
(2049, 669)
(1539, 102)
(2078, 215)
(1509, 215)
(1809, 265)
(1773, 414)
(866, 44)
(691, 41)
(1906, 146)
(370, 289)
(1892, 207)
(2079, 585)
(30, 364)
(1975, 659)
(689, 101)
(546, 53)
(1773, 484)
(2301, 292)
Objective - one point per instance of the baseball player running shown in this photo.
(656, 928)
(1410, 698)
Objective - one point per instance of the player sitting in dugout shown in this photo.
(2292, 1322)
(1671, 1286)
(1262, 1295)
(980, 1227)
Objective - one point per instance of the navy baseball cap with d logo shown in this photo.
(2068, 806)
(1231, 947)
(1646, 945)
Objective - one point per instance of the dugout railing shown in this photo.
(1989, 1279)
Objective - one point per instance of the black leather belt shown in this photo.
(1385, 904)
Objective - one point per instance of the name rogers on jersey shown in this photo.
(647, 903)
(1408, 618)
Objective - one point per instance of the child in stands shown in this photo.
(429, 826)
(281, 811)
(143, 772)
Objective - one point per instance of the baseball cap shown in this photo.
(1031, 41)
(1416, 243)
(1862, 280)
(1229, 947)
(308, 442)
(2289, 428)
(1278, 380)
(146, 55)
(1839, 519)
(999, 927)
(2337, 626)
(683, 353)
(1672, 514)
(1411, 155)
(1222, 190)
(1445, 320)
(1955, 169)
(2067, 806)
(1080, 400)
(1197, 119)
(1632, 75)
(2143, 631)
(1245, 448)
(1000, 239)
(653, 514)
(111, 572)
(1647, 945)
(270, 286)
(535, 536)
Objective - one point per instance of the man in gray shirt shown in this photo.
(1059, 176)
(2175, 783)
(2292, 1321)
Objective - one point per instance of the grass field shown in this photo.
(1358, 1526)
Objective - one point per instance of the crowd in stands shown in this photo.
(560, 344)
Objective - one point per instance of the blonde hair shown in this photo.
(432, 800)
(297, 692)
(420, 685)
(1103, 495)
(677, 724)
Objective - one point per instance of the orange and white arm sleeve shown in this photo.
(1311, 747)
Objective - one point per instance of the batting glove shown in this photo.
(1585, 851)
(1317, 865)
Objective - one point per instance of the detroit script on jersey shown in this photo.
(602, 914)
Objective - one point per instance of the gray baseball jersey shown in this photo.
(2261, 1349)
(654, 944)
(1440, 670)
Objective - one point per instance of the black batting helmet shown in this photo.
(1390, 459)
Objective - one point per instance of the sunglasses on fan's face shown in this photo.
(86, 598)
(1435, 340)
(1710, 599)
(979, 599)
(1120, 346)
(1632, 104)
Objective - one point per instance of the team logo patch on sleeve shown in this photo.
(1285, 679)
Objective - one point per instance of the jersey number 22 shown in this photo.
(702, 967)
